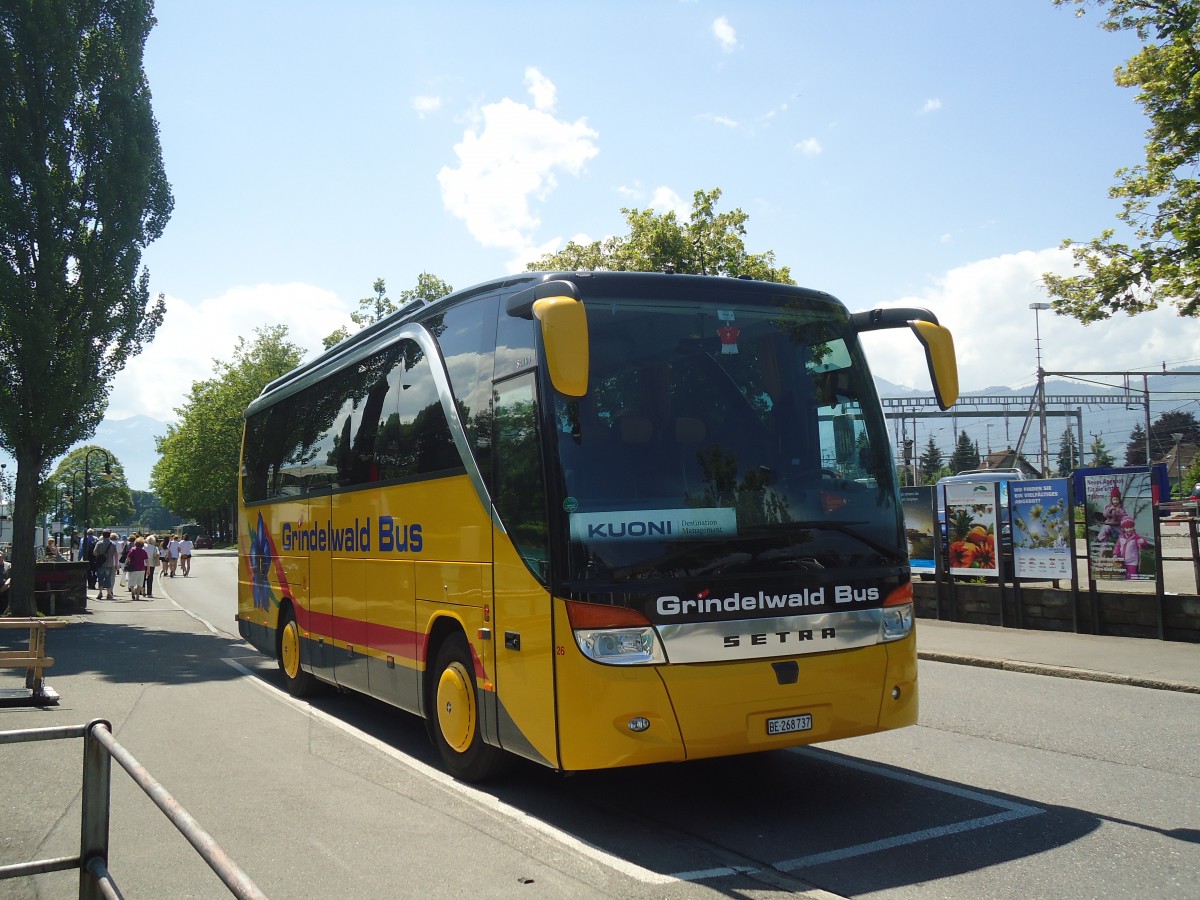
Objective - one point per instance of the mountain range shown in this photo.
(131, 440)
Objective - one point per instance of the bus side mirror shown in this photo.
(937, 341)
(939, 355)
(565, 338)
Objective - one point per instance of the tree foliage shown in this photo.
(930, 464)
(379, 305)
(1068, 453)
(1098, 453)
(707, 243)
(1161, 197)
(1135, 450)
(83, 193)
(196, 475)
(965, 455)
(109, 500)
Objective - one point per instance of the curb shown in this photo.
(1011, 665)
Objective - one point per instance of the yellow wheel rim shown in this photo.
(289, 649)
(456, 707)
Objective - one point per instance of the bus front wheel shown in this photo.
(454, 718)
(299, 683)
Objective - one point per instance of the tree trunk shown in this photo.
(24, 519)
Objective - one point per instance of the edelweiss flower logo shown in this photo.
(262, 553)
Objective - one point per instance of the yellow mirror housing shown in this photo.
(565, 338)
(939, 354)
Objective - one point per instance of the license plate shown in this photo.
(788, 724)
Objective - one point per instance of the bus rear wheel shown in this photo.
(454, 716)
(299, 683)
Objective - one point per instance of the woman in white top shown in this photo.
(151, 563)
(185, 554)
(173, 554)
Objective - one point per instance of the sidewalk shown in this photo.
(1141, 662)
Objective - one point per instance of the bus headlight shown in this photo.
(621, 646)
(897, 622)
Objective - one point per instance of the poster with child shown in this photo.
(1119, 511)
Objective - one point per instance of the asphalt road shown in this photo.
(1013, 785)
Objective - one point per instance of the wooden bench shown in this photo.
(33, 659)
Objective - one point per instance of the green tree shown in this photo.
(149, 513)
(84, 192)
(109, 500)
(379, 305)
(708, 243)
(1068, 453)
(965, 455)
(1161, 197)
(197, 472)
(1165, 427)
(1135, 450)
(930, 464)
(1100, 457)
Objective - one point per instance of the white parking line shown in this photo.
(1010, 810)
(486, 800)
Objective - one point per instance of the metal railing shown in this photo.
(95, 879)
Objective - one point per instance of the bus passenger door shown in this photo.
(523, 629)
(348, 590)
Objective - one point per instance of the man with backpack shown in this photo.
(105, 554)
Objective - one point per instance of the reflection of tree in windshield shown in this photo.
(755, 501)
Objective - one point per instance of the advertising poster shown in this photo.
(920, 527)
(1119, 511)
(971, 527)
(1041, 529)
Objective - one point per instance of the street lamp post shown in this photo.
(87, 483)
(1041, 385)
(1178, 435)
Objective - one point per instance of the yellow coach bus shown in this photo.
(592, 519)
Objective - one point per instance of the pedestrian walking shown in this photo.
(85, 553)
(173, 554)
(105, 552)
(5, 581)
(185, 554)
(135, 563)
(152, 558)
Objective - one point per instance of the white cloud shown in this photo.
(810, 147)
(512, 158)
(192, 335)
(426, 104)
(542, 89)
(719, 120)
(933, 104)
(666, 200)
(985, 304)
(725, 34)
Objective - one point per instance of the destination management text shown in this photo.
(390, 537)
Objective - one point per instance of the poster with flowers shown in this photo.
(971, 527)
(1119, 510)
(1041, 528)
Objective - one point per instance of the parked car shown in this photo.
(202, 542)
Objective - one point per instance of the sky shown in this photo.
(930, 153)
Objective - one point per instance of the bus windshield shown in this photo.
(725, 436)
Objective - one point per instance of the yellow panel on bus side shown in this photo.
(524, 657)
(597, 702)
